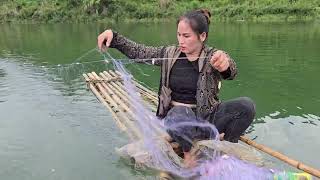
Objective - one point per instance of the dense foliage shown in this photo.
(83, 10)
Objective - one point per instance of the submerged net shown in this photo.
(214, 159)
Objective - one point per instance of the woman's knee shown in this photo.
(248, 107)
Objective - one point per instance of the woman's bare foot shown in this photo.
(221, 136)
(190, 160)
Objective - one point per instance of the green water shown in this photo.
(53, 128)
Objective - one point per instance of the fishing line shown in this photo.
(211, 164)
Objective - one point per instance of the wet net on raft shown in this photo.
(133, 109)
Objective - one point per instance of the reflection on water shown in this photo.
(2, 73)
(49, 134)
(52, 126)
(294, 136)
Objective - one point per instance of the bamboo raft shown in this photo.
(109, 89)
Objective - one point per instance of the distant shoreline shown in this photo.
(38, 11)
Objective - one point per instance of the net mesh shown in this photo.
(214, 159)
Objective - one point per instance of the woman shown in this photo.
(190, 75)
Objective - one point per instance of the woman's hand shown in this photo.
(104, 40)
(220, 61)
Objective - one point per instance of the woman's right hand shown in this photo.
(104, 40)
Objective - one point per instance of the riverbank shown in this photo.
(159, 10)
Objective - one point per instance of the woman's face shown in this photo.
(189, 42)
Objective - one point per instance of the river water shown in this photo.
(52, 127)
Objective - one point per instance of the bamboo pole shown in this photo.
(292, 162)
(116, 84)
(115, 95)
(116, 87)
(120, 86)
(121, 104)
(145, 91)
(139, 85)
(165, 176)
(131, 131)
(121, 126)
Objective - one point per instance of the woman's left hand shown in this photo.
(220, 61)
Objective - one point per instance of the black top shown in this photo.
(183, 80)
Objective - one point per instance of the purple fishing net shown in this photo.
(184, 127)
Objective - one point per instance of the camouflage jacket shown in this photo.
(165, 57)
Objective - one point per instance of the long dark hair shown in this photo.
(199, 20)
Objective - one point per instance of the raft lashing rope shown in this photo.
(208, 164)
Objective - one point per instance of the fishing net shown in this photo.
(153, 140)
